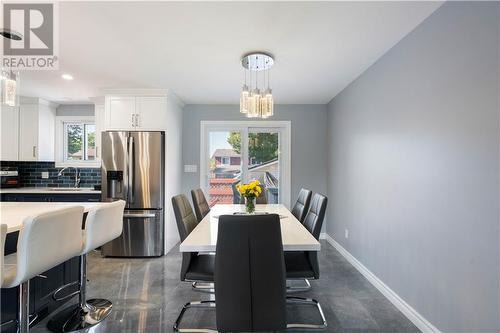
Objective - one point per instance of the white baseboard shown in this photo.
(416, 318)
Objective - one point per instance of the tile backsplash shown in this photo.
(30, 175)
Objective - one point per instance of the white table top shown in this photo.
(14, 213)
(294, 235)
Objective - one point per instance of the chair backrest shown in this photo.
(316, 214)
(186, 222)
(301, 206)
(103, 224)
(184, 216)
(3, 234)
(47, 240)
(250, 286)
(201, 207)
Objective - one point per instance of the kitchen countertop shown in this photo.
(14, 213)
(48, 190)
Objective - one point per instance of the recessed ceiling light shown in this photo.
(67, 77)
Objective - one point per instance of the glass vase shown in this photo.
(250, 205)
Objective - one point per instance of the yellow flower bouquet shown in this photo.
(250, 191)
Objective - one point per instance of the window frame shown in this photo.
(61, 142)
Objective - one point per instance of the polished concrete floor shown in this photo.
(147, 297)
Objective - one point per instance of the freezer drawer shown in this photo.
(142, 235)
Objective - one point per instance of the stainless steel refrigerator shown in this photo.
(133, 170)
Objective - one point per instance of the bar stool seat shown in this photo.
(45, 241)
(102, 225)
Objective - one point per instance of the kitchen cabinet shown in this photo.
(151, 112)
(120, 112)
(99, 127)
(37, 131)
(9, 133)
(52, 197)
(139, 113)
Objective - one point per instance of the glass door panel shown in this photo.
(264, 161)
(224, 166)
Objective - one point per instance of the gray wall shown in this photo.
(414, 168)
(308, 141)
(76, 110)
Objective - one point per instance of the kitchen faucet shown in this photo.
(77, 175)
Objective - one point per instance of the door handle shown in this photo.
(133, 119)
(34, 151)
(139, 215)
(131, 169)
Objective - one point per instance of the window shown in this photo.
(76, 142)
(241, 151)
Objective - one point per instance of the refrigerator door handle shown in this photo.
(129, 215)
(130, 156)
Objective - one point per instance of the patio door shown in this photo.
(235, 152)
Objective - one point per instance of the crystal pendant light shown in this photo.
(245, 93)
(9, 84)
(244, 99)
(254, 102)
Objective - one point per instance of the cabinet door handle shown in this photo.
(137, 120)
(34, 151)
(133, 120)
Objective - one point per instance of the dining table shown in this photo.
(294, 235)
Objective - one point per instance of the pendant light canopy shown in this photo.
(254, 102)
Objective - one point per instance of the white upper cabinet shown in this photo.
(120, 112)
(99, 127)
(36, 132)
(151, 112)
(9, 133)
(135, 113)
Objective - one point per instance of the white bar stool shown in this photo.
(44, 241)
(102, 225)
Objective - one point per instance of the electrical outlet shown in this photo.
(346, 233)
(190, 168)
(45, 175)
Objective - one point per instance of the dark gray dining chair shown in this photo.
(201, 207)
(301, 206)
(196, 268)
(250, 286)
(303, 265)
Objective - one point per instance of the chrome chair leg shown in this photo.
(23, 321)
(203, 287)
(195, 304)
(294, 289)
(307, 301)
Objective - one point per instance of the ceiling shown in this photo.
(194, 48)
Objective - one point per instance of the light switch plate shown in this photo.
(190, 168)
(45, 175)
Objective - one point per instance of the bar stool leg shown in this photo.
(86, 313)
(23, 307)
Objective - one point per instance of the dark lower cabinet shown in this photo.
(42, 288)
(55, 197)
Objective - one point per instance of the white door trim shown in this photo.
(284, 126)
